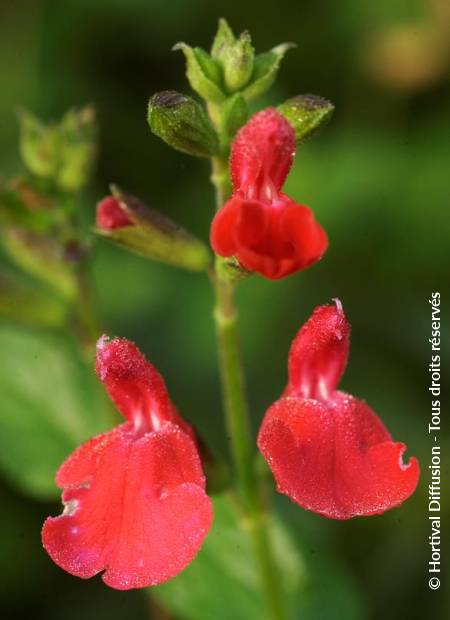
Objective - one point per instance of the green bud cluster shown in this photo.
(63, 154)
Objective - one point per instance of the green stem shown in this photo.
(235, 404)
(238, 426)
(87, 324)
(220, 179)
(250, 487)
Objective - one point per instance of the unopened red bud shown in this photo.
(110, 214)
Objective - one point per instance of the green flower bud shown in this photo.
(223, 40)
(265, 71)
(38, 145)
(307, 114)
(202, 72)
(127, 221)
(237, 61)
(62, 153)
(182, 123)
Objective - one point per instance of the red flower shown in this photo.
(135, 502)
(264, 229)
(328, 451)
(110, 215)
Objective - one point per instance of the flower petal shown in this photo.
(223, 228)
(135, 508)
(337, 460)
(135, 386)
(262, 153)
(319, 353)
(299, 226)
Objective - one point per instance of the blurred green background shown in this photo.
(378, 180)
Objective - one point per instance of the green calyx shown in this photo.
(152, 235)
(182, 123)
(307, 114)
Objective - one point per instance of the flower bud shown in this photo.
(38, 145)
(62, 153)
(307, 114)
(223, 40)
(182, 123)
(77, 148)
(237, 62)
(130, 223)
(265, 71)
(202, 72)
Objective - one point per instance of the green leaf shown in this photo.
(307, 114)
(50, 404)
(199, 72)
(152, 235)
(265, 71)
(182, 123)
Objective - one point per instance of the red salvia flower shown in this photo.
(328, 451)
(263, 228)
(135, 502)
(110, 215)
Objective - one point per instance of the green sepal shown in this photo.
(202, 77)
(234, 114)
(307, 114)
(230, 270)
(152, 235)
(182, 123)
(265, 70)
